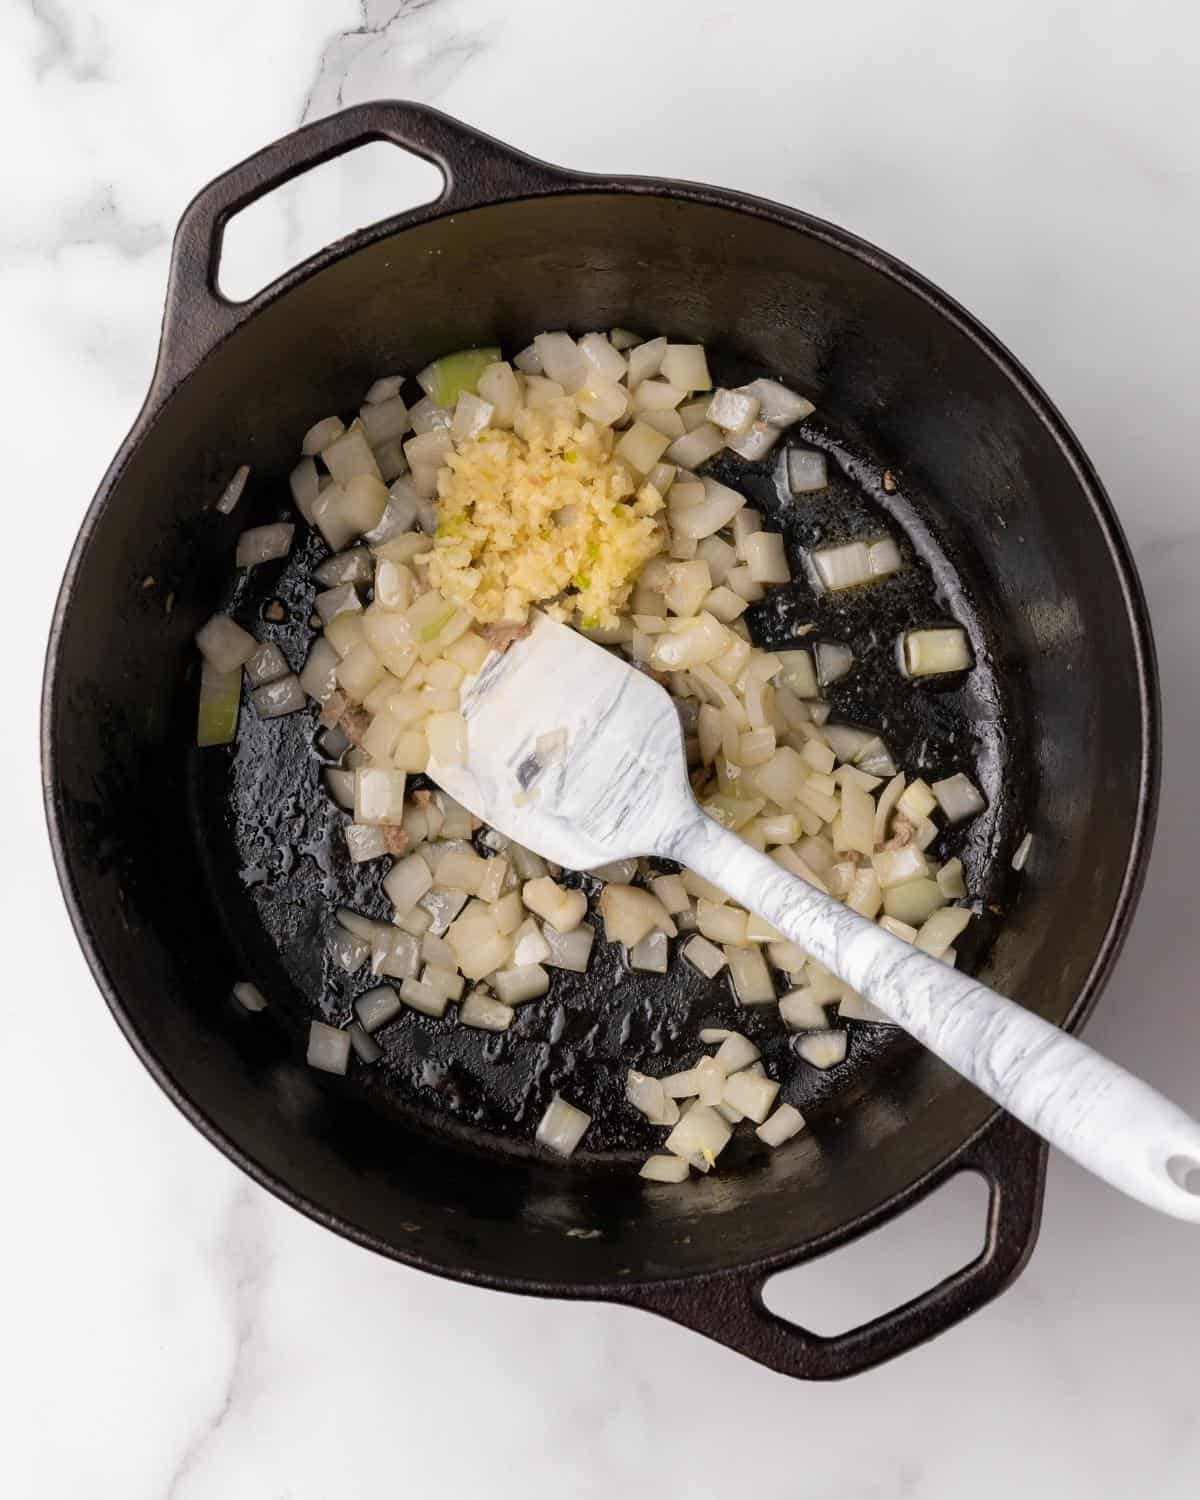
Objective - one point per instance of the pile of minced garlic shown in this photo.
(543, 512)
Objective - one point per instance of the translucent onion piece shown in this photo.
(328, 1048)
(224, 645)
(562, 1127)
(736, 1052)
(927, 653)
(650, 1098)
(842, 567)
(664, 1169)
(752, 981)
(366, 1048)
(800, 1010)
(630, 913)
(751, 1095)
(833, 662)
(384, 388)
(786, 1122)
(958, 797)
(913, 901)
(484, 1013)
(570, 950)
(319, 675)
(776, 404)
(521, 984)
(349, 952)
(377, 1007)
(939, 931)
(700, 1133)
(321, 434)
(1022, 852)
(406, 882)
(365, 843)
(274, 699)
(232, 492)
(807, 471)
(249, 996)
(651, 955)
(823, 1049)
(754, 444)
(262, 544)
(423, 998)
(697, 447)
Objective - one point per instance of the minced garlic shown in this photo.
(542, 515)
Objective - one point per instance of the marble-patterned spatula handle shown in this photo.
(1106, 1119)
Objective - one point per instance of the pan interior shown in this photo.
(194, 869)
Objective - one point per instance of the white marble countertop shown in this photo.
(169, 1330)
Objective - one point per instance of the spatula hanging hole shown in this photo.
(1184, 1172)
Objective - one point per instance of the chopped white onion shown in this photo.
(384, 389)
(224, 645)
(379, 795)
(249, 996)
(800, 1010)
(786, 1122)
(735, 1052)
(319, 675)
(696, 447)
(562, 1127)
(366, 1048)
(485, 1013)
(268, 664)
(232, 492)
(385, 420)
(913, 901)
(353, 566)
(1022, 852)
(958, 797)
(321, 434)
(328, 1048)
(884, 557)
(843, 567)
(823, 1049)
(807, 471)
(425, 998)
(776, 404)
(650, 1098)
(834, 661)
(700, 1133)
(284, 696)
(406, 882)
(306, 486)
(264, 544)
(529, 946)
(664, 1169)
(926, 653)
(651, 955)
(941, 928)
(377, 1007)
(754, 444)
(752, 983)
(570, 950)
(751, 1095)
(518, 985)
(349, 952)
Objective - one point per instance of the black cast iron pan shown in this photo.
(186, 870)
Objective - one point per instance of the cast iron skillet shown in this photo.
(187, 870)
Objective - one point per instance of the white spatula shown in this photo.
(618, 787)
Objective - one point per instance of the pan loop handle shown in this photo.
(476, 170)
(729, 1307)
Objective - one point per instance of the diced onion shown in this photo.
(651, 955)
(529, 946)
(630, 913)
(1022, 852)
(751, 1095)
(941, 928)
(321, 434)
(958, 797)
(754, 444)
(366, 1048)
(650, 1098)
(806, 471)
(263, 544)
(704, 956)
(232, 492)
(249, 996)
(406, 882)
(927, 653)
(328, 1048)
(833, 662)
(786, 1122)
(735, 1052)
(664, 1169)
(519, 985)
(484, 1013)
(424, 998)
(217, 711)
(823, 1049)
(570, 950)
(913, 901)
(700, 1133)
(695, 448)
(752, 983)
(377, 1007)
(562, 1127)
(777, 404)
(274, 699)
(801, 1011)
(842, 567)
(225, 645)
